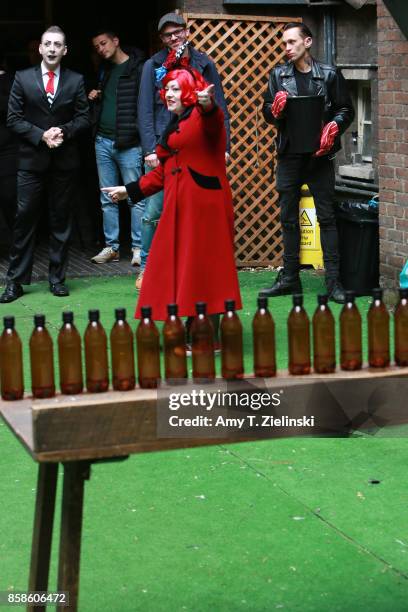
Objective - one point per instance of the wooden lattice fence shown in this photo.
(245, 48)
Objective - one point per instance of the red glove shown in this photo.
(279, 103)
(327, 138)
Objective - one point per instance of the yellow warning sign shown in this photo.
(310, 249)
(304, 219)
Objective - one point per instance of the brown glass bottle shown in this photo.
(148, 350)
(378, 332)
(96, 355)
(351, 352)
(69, 355)
(122, 353)
(401, 329)
(202, 337)
(263, 336)
(299, 338)
(42, 360)
(232, 360)
(12, 379)
(174, 341)
(324, 339)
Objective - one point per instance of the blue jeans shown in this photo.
(150, 219)
(118, 167)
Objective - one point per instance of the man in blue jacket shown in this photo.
(153, 116)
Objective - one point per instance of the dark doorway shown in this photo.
(21, 25)
(25, 20)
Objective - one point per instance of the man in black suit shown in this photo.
(47, 109)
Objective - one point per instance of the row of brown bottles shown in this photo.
(324, 351)
(202, 336)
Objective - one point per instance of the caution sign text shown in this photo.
(307, 220)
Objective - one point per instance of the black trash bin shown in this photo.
(357, 224)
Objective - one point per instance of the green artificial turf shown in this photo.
(294, 524)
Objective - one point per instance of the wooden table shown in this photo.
(79, 430)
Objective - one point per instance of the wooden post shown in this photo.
(75, 473)
(42, 530)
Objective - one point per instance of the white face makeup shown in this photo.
(52, 49)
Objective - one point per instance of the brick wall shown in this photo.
(393, 146)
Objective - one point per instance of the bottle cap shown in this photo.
(403, 294)
(9, 322)
(120, 314)
(39, 320)
(172, 309)
(67, 317)
(262, 302)
(322, 299)
(201, 307)
(146, 312)
(298, 299)
(350, 296)
(93, 315)
(229, 305)
(377, 293)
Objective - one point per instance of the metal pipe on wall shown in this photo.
(329, 35)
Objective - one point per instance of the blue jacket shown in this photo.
(153, 116)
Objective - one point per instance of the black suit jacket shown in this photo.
(30, 115)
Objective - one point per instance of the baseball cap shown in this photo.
(170, 18)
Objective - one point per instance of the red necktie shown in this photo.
(50, 84)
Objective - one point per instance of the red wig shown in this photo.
(189, 80)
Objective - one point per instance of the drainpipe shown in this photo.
(329, 33)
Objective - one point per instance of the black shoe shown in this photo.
(12, 292)
(59, 289)
(336, 293)
(285, 284)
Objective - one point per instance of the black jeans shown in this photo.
(318, 172)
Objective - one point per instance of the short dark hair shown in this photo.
(55, 30)
(305, 32)
(110, 33)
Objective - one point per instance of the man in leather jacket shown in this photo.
(302, 75)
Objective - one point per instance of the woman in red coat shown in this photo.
(192, 254)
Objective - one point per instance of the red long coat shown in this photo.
(192, 254)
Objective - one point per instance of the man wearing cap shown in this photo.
(153, 116)
(302, 75)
